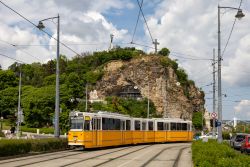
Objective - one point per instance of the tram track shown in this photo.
(59, 157)
(32, 156)
(105, 162)
(178, 157)
(156, 155)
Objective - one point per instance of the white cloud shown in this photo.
(237, 71)
(190, 27)
(243, 109)
(80, 22)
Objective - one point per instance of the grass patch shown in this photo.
(211, 154)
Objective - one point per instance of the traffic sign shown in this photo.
(218, 123)
(214, 115)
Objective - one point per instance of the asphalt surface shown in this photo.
(155, 155)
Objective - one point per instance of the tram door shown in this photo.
(96, 126)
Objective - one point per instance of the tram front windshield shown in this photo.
(76, 123)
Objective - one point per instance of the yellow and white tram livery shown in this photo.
(102, 129)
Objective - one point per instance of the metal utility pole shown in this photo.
(214, 92)
(57, 109)
(219, 81)
(156, 43)
(19, 103)
(86, 94)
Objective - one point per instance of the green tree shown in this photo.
(8, 101)
(74, 85)
(197, 120)
(38, 105)
(164, 52)
(7, 79)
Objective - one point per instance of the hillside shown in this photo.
(155, 78)
(112, 74)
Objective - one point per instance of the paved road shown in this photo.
(156, 155)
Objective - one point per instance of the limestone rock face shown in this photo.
(147, 76)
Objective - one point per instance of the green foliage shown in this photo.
(130, 107)
(8, 101)
(7, 79)
(167, 62)
(226, 135)
(220, 155)
(164, 52)
(182, 76)
(20, 146)
(93, 76)
(38, 105)
(2, 134)
(197, 120)
(34, 130)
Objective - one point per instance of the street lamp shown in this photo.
(40, 26)
(239, 15)
(19, 110)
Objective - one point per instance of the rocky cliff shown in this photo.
(149, 77)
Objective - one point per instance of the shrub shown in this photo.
(41, 130)
(1, 134)
(22, 146)
(213, 154)
(14, 147)
(226, 135)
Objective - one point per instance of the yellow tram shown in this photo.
(101, 129)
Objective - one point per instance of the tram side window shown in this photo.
(159, 125)
(104, 124)
(117, 124)
(122, 125)
(111, 122)
(143, 125)
(166, 126)
(173, 126)
(87, 125)
(178, 126)
(184, 126)
(150, 126)
(137, 125)
(128, 125)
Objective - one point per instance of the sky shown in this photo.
(188, 28)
